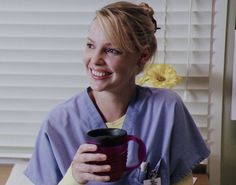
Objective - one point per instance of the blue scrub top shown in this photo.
(157, 116)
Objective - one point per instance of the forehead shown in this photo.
(102, 30)
(96, 34)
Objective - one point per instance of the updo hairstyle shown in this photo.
(129, 26)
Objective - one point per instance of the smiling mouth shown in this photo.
(100, 74)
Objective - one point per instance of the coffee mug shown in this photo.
(114, 143)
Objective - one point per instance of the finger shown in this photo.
(98, 178)
(88, 168)
(87, 148)
(89, 157)
(84, 177)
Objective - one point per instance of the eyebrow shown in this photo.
(91, 40)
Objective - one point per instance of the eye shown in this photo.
(90, 46)
(113, 51)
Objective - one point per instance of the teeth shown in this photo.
(96, 73)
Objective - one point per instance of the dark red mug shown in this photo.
(114, 143)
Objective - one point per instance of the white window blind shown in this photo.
(41, 44)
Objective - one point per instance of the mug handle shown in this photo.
(141, 152)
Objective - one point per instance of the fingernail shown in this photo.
(93, 147)
(108, 168)
(103, 157)
(107, 178)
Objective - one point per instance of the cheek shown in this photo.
(131, 70)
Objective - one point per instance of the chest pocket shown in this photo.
(140, 175)
(136, 177)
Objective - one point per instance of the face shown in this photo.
(108, 67)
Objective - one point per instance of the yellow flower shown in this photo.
(159, 75)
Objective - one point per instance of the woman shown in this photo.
(120, 43)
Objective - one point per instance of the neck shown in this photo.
(112, 105)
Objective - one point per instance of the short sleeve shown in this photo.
(42, 168)
(187, 147)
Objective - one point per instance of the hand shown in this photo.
(84, 172)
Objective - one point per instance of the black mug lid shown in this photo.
(107, 136)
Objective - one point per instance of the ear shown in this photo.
(145, 56)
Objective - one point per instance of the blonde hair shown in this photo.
(129, 26)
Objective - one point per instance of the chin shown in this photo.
(98, 85)
(98, 88)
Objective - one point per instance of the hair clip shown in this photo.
(155, 25)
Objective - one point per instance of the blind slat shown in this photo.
(17, 140)
(72, 69)
(46, 18)
(180, 31)
(81, 5)
(24, 129)
(22, 116)
(40, 55)
(29, 104)
(15, 152)
(181, 44)
(44, 80)
(42, 43)
(34, 30)
(180, 57)
(37, 92)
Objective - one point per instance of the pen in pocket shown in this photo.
(144, 168)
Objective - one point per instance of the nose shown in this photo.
(97, 57)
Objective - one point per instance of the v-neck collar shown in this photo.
(131, 113)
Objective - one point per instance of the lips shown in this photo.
(100, 74)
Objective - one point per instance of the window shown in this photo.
(41, 44)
